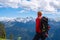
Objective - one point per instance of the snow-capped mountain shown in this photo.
(56, 19)
(19, 19)
(24, 20)
(6, 19)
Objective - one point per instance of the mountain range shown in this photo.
(25, 28)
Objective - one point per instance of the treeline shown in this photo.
(3, 33)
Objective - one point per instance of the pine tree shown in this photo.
(2, 31)
(11, 36)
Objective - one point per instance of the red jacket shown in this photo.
(38, 25)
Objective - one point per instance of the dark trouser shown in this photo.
(39, 36)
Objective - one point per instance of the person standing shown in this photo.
(39, 34)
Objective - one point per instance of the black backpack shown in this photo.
(44, 25)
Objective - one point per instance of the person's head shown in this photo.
(39, 13)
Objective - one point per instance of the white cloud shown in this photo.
(35, 5)
(1, 6)
(23, 11)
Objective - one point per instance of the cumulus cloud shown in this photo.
(35, 5)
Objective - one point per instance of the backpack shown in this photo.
(44, 25)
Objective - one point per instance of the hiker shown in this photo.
(39, 34)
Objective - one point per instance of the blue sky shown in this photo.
(19, 12)
(29, 8)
